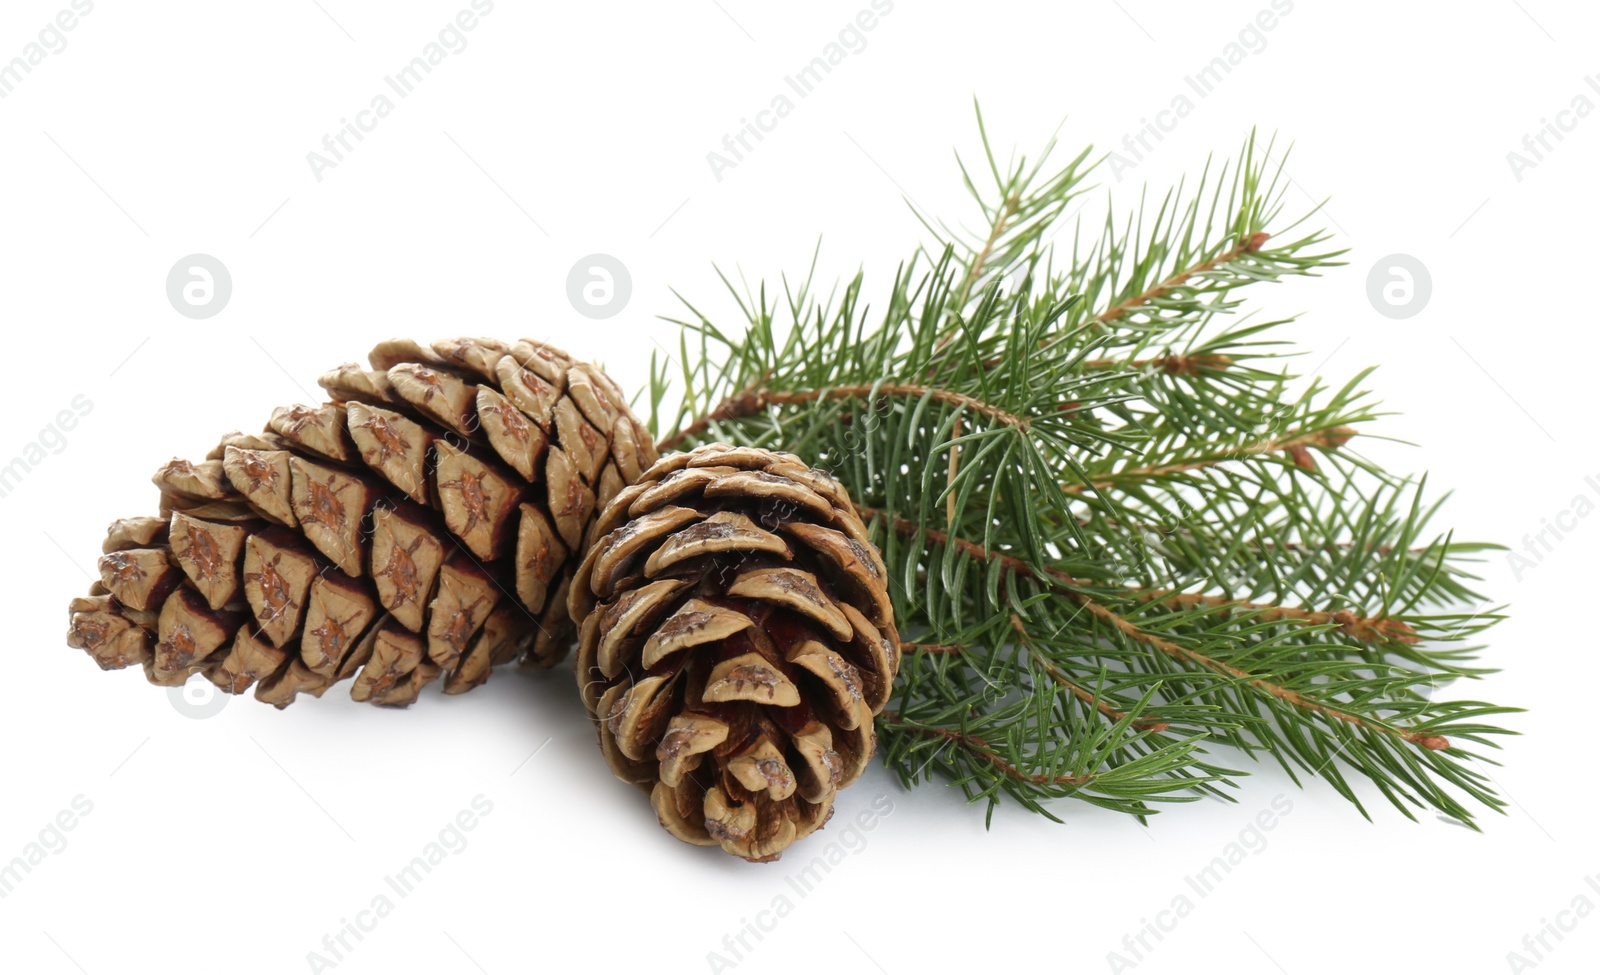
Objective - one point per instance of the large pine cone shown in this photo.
(425, 522)
(736, 641)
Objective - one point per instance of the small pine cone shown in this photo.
(423, 524)
(736, 640)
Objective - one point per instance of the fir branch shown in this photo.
(1119, 536)
(1374, 630)
(1160, 290)
(1377, 631)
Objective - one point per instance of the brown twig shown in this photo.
(950, 476)
(1376, 630)
(1081, 693)
(1287, 695)
(1265, 543)
(751, 402)
(1127, 305)
(1174, 365)
(1007, 211)
(1295, 445)
(1078, 690)
(1069, 586)
(998, 228)
(983, 750)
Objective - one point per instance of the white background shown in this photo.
(235, 843)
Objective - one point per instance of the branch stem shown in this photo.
(1068, 586)
(1295, 444)
(752, 402)
(1155, 291)
(1002, 218)
(1175, 365)
(983, 750)
(1080, 692)
(1264, 543)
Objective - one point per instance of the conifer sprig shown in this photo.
(1121, 532)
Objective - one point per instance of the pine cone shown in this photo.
(420, 524)
(736, 641)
